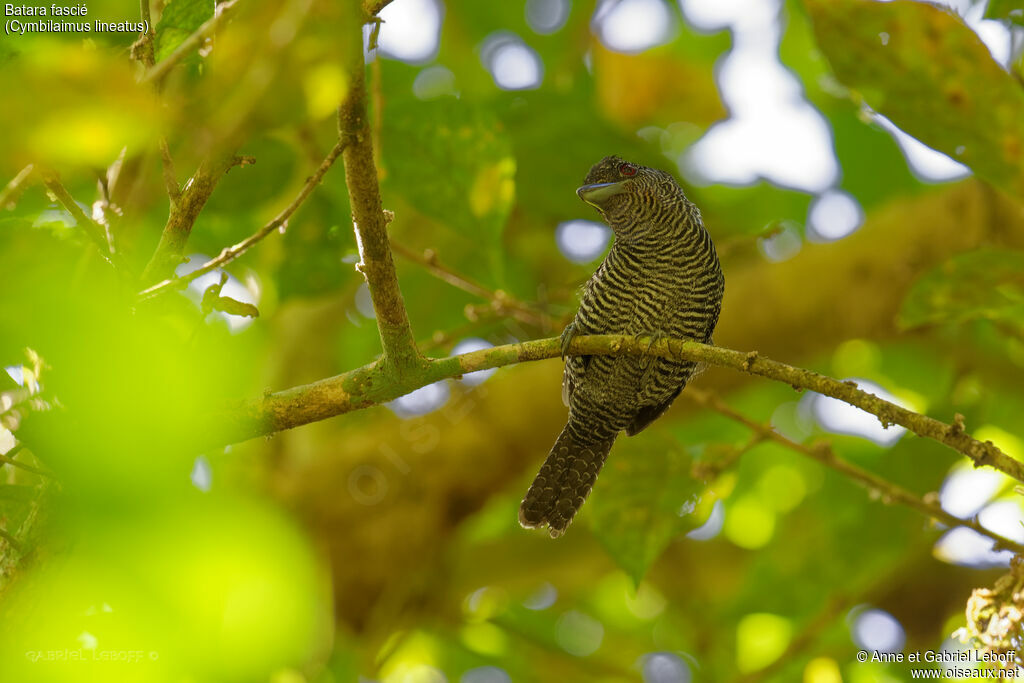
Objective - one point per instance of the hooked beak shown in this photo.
(598, 194)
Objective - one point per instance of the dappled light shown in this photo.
(833, 215)
(411, 30)
(421, 401)
(665, 667)
(547, 16)
(875, 629)
(512, 63)
(926, 163)
(841, 418)
(634, 25)
(582, 241)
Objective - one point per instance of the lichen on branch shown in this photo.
(373, 384)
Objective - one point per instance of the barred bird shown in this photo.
(660, 279)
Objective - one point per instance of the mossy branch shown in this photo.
(169, 252)
(376, 262)
(375, 384)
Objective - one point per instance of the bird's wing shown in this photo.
(648, 414)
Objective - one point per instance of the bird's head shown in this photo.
(626, 193)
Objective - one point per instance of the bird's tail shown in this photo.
(564, 480)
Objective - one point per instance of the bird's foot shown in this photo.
(653, 337)
(566, 339)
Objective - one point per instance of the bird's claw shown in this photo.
(566, 339)
(652, 339)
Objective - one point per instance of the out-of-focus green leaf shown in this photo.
(646, 497)
(987, 283)
(452, 161)
(179, 20)
(1012, 10)
(557, 138)
(920, 66)
(17, 492)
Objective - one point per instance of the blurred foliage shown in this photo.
(385, 544)
(177, 22)
(923, 68)
(982, 284)
(1010, 10)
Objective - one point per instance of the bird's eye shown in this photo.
(628, 170)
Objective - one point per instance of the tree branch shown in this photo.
(170, 178)
(500, 301)
(183, 215)
(823, 453)
(376, 263)
(373, 7)
(372, 385)
(11, 541)
(9, 195)
(229, 254)
(8, 459)
(143, 47)
(94, 230)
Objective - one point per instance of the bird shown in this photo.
(660, 279)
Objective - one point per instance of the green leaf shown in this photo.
(17, 493)
(645, 498)
(452, 161)
(1010, 10)
(920, 66)
(179, 20)
(987, 283)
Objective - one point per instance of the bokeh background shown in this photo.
(383, 545)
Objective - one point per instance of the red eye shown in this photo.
(628, 170)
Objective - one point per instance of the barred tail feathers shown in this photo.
(563, 483)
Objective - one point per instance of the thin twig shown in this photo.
(824, 454)
(372, 385)
(27, 534)
(710, 469)
(160, 70)
(229, 254)
(501, 302)
(94, 230)
(145, 42)
(376, 263)
(13, 542)
(9, 195)
(8, 459)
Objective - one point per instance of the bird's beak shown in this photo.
(598, 194)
